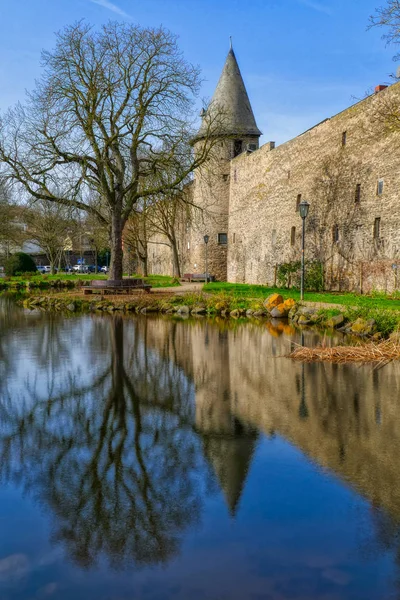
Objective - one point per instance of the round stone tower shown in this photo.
(238, 133)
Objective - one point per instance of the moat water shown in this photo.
(157, 459)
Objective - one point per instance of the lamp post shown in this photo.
(303, 209)
(206, 238)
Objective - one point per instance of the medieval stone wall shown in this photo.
(357, 147)
(352, 230)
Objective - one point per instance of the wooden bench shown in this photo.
(116, 286)
(197, 277)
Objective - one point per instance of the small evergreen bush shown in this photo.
(19, 263)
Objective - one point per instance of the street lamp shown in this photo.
(303, 209)
(206, 238)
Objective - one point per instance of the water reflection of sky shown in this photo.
(236, 494)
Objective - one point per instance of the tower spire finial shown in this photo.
(230, 42)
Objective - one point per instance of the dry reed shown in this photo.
(380, 353)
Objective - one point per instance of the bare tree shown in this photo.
(111, 111)
(388, 17)
(168, 216)
(50, 225)
(137, 233)
(97, 235)
(11, 230)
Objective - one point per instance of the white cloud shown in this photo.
(111, 6)
(316, 6)
(13, 567)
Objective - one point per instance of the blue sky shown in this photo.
(302, 60)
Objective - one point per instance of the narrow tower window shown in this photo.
(298, 202)
(357, 196)
(344, 138)
(237, 147)
(233, 238)
(377, 228)
(335, 234)
(379, 187)
(293, 236)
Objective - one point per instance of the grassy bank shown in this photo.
(65, 280)
(372, 301)
(233, 300)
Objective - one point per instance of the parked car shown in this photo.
(45, 269)
(92, 269)
(104, 269)
(80, 269)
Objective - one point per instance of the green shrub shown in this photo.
(289, 274)
(19, 263)
(386, 320)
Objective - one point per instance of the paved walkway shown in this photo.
(184, 288)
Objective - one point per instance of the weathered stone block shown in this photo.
(336, 321)
(280, 311)
(272, 301)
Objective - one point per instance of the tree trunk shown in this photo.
(175, 256)
(145, 266)
(116, 269)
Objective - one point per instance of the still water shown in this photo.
(155, 459)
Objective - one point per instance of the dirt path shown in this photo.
(184, 288)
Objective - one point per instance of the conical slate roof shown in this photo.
(231, 99)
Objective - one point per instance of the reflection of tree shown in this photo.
(14, 325)
(113, 458)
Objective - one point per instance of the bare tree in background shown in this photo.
(137, 233)
(50, 226)
(388, 17)
(11, 229)
(111, 111)
(168, 216)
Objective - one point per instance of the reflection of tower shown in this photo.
(230, 456)
(228, 443)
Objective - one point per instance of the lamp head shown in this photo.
(303, 208)
(206, 238)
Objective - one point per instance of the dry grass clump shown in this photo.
(372, 352)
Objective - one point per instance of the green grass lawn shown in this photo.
(155, 281)
(58, 276)
(375, 300)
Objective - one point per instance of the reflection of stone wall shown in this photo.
(346, 418)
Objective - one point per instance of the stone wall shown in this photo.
(324, 165)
